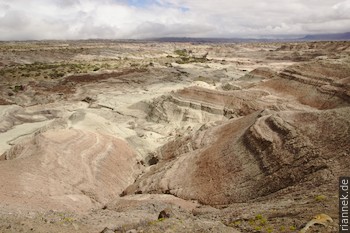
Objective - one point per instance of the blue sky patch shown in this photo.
(142, 3)
(184, 9)
(148, 3)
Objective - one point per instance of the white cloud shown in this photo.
(81, 19)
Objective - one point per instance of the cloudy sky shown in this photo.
(83, 19)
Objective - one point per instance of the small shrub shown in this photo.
(18, 88)
(156, 221)
(237, 223)
(258, 228)
(251, 222)
(68, 220)
(320, 198)
(181, 52)
(263, 221)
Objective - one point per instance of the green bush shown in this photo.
(181, 52)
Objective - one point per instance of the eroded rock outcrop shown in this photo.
(255, 156)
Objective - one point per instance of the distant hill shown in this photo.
(336, 36)
(316, 37)
(210, 40)
(200, 40)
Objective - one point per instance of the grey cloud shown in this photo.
(4, 7)
(14, 20)
(245, 17)
(153, 29)
(90, 30)
(67, 3)
(74, 19)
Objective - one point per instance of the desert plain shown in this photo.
(128, 136)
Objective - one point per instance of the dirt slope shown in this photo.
(67, 170)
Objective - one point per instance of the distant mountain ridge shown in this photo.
(335, 36)
(316, 37)
(281, 38)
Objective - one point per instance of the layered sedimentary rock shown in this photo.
(250, 138)
(252, 157)
(67, 169)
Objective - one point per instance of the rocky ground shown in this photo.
(104, 136)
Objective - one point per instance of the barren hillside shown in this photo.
(103, 136)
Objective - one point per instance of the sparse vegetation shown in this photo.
(251, 222)
(181, 52)
(57, 70)
(237, 223)
(68, 220)
(18, 88)
(156, 221)
(320, 198)
(186, 57)
(259, 223)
